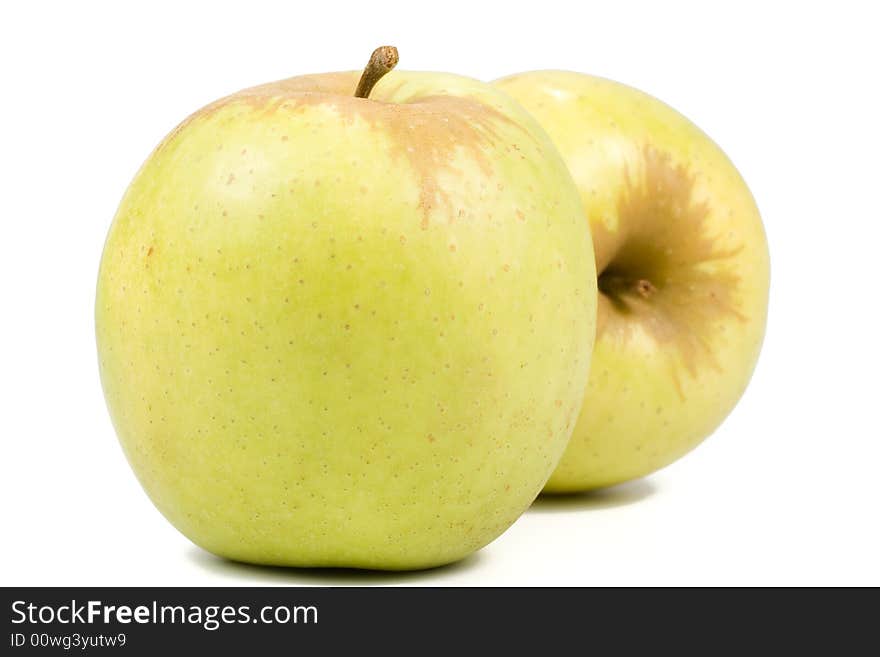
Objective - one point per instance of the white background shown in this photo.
(786, 492)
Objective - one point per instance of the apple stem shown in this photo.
(383, 59)
(644, 288)
(614, 284)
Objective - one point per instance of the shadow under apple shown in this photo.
(604, 498)
(324, 576)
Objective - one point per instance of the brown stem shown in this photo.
(644, 288)
(615, 285)
(383, 59)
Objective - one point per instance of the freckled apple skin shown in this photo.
(347, 332)
(665, 205)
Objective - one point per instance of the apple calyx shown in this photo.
(383, 59)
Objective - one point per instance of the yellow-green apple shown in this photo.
(683, 274)
(340, 329)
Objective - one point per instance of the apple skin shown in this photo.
(684, 275)
(336, 331)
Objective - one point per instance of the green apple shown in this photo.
(340, 330)
(683, 274)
